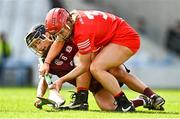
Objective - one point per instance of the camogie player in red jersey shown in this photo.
(94, 31)
(64, 63)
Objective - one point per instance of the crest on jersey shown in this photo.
(68, 49)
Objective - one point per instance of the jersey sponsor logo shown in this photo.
(58, 62)
(84, 45)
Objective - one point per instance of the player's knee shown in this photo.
(94, 69)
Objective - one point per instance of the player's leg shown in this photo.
(106, 101)
(149, 104)
(80, 101)
(131, 81)
(105, 60)
(135, 84)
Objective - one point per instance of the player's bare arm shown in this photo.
(62, 34)
(79, 70)
(52, 53)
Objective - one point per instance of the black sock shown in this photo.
(122, 100)
(82, 96)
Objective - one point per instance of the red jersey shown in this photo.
(95, 29)
(64, 63)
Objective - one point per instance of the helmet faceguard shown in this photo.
(59, 22)
(36, 33)
(38, 41)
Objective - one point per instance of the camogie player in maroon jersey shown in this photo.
(40, 41)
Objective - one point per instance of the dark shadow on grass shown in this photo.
(147, 112)
(55, 110)
(159, 112)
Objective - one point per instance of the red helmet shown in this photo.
(55, 19)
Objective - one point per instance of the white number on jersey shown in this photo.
(91, 14)
(64, 58)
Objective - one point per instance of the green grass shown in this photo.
(18, 103)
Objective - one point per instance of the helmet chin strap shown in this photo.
(68, 26)
(70, 31)
(61, 37)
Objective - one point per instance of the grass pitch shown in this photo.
(18, 103)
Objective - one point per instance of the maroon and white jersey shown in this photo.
(64, 63)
